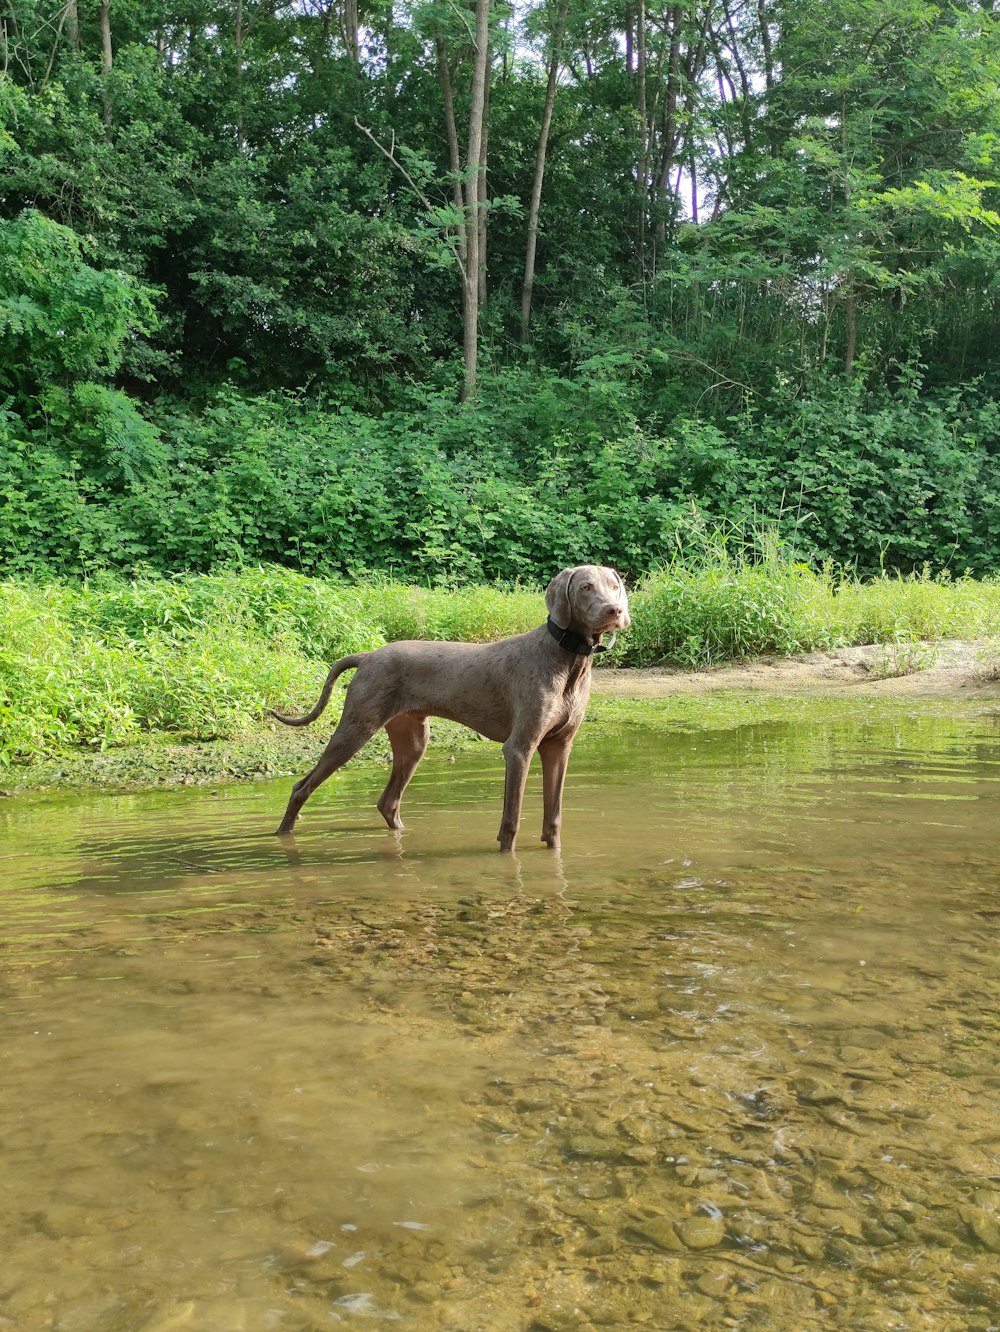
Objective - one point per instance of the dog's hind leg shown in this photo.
(353, 732)
(408, 734)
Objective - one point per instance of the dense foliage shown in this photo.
(766, 283)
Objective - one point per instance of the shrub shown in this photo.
(742, 598)
(436, 497)
(202, 656)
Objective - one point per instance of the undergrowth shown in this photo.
(739, 600)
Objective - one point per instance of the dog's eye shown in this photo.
(588, 587)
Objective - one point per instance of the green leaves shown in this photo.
(822, 337)
(60, 317)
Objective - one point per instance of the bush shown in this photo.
(321, 619)
(435, 496)
(893, 485)
(740, 599)
(729, 605)
(200, 657)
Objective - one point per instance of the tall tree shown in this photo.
(534, 208)
(474, 212)
(107, 60)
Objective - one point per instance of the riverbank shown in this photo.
(166, 681)
(954, 668)
(949, 676)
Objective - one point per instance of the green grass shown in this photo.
(110, 663)
(473, 614)
(730, 606)
(100, 664)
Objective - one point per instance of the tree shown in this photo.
(61, 319)
(758, 192)
(555, 58)
(464, 226)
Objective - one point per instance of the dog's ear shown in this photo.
(557, 598)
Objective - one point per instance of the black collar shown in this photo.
(571, 641)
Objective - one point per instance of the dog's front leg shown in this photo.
(517, 753)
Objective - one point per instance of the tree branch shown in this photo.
(390, 155)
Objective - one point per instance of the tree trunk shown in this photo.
(767, 51)
(454, 155)
(73, 24)
(238, 42)
(528, 284)
(106, 61)
(349, 29)
(695, 63)
(473, 165)
(852, 329)
(481, 201)
(643, 164)
(671, 132)
(765, 44)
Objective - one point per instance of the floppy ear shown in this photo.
(557, 598)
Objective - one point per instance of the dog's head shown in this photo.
(589, 599)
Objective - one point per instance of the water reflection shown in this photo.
(729, 1060)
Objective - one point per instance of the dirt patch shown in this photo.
(918, 670)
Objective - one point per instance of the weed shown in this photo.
(988, 662)
(903, 657)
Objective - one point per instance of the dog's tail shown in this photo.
(338, 668)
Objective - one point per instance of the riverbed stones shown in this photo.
(806, 1242)
(581, 1152)
(702, 1232)
(839, 1251)
(983, 1225)
(876, 1232)
(714, 1281)
(659, 1231)
(591, 1147)
(642, 1128)
(171, 1317)
(600, 1245)
(814, 1091)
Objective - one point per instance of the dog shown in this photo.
(527, 692)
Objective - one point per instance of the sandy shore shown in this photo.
(918, 670)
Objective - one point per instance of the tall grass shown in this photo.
(734, 600)
(476, 614)
(204, 656)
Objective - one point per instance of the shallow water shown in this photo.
(729, 1060)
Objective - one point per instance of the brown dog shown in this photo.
(528, 692)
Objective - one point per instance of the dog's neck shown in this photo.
(574, 642)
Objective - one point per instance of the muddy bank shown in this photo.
(949, 675)
(912, 670)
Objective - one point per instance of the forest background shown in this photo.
(464, 291)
